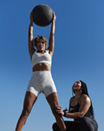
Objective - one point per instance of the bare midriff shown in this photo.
(41, 67)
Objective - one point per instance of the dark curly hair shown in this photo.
(38, 39)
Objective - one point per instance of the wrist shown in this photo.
(31, 23)
(52, 33)
(65, 113)
(53, 22)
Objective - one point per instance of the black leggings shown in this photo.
(84, 124)
(70, 125)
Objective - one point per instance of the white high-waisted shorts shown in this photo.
(41, 81)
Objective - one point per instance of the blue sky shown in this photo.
(79, 54)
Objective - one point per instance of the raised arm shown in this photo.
(30, 37)
(51, 39)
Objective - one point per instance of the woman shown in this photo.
(41, 80)
(80, 109)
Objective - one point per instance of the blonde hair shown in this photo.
(40, 38)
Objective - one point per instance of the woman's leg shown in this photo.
(70, 126)
(54, 102)
(87, 124)
(28, 104)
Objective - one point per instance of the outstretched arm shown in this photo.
(84, 106)
(30, 37)
(51, 39)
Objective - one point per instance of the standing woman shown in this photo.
(80, 109)
(41, 80)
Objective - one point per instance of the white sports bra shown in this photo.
(41, 58)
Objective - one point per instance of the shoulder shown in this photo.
(49, 52)
(85, 98)
(34, 53)
(72, 98)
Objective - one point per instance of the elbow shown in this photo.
(82, 114)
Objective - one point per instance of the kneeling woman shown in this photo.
(41, 80)
(80, 109)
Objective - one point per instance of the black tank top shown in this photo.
(76, 109)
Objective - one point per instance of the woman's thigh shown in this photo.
(70, 126)
(53, 100)
(88, 124)
(29, 101)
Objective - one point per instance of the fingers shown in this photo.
(65, 110)
(59, 110)
(54, 17)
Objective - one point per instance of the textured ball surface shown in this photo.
(42, 15)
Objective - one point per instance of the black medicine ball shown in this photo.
(42, 15)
